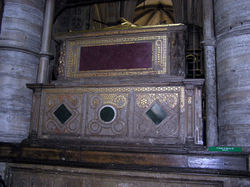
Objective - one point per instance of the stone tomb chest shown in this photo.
(120, 87)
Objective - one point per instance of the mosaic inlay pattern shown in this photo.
(130, 114)
(157, 114)
(62, 114)
(107, 115)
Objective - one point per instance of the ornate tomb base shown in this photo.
(122, 87)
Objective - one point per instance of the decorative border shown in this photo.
(159, 56)
(180, 89)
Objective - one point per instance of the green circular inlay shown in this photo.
(107, 114)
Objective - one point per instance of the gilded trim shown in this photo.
(119, 89)
(159, 56)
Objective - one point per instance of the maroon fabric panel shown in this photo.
(122, 56)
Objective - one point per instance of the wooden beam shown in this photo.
(204, 162)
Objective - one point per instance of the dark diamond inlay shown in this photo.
(62, 114)
(156, 114)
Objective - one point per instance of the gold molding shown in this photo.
(62, 60)
(182, 98)
(144, 100)
(112, 90)
(118, 100)
(118, 89)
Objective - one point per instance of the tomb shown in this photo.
(121, 109)
(121, 112)
(122, 87)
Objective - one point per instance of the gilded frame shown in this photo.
(160, 62)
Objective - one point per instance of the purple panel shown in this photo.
(122, 56)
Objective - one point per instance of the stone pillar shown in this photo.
(43, 75)
(20, 42)
(232, 24)
(210, 73)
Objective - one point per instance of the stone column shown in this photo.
(232, 24)
(210, 73)
(20, 42)
(46, 40)
(2, 170)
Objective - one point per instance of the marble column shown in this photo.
(210, 74)
(232, 24)
(43, 75)
(20, 42)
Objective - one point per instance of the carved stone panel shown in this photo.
(157, 115)
(62, 114)
(114, 104)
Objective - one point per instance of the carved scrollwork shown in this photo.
(96, 101)
(94, 127)
(119, 127)
(120, 100)
(51, 125)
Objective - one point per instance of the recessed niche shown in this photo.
(107, 114)
(156, 114)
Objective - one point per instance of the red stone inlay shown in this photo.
(122, 56)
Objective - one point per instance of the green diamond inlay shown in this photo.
(62, 114)
(156, 114)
